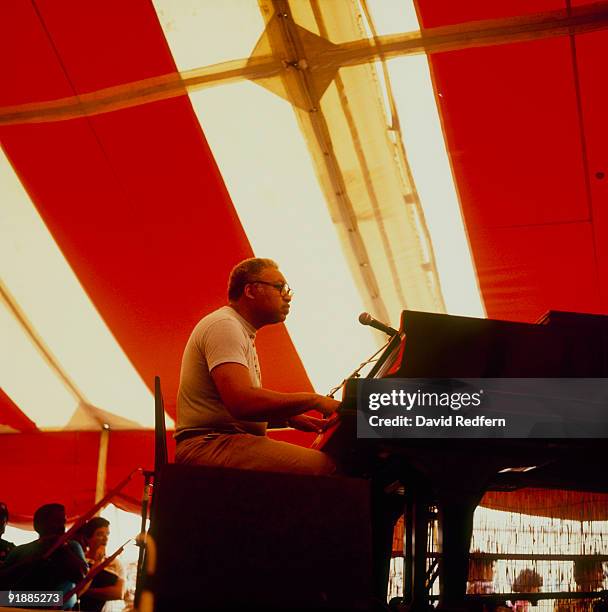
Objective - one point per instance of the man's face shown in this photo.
(270, 306)
(56, 523)
(99, 538)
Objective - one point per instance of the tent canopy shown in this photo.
(444, 157)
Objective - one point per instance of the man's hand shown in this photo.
(304, 422)
(98, 555)
(325, 405)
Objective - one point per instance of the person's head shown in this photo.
(258, 289)
(588, 574)
(3, 517)
(528, 581)
(96, 532)
(49, 520)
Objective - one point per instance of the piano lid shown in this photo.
(446, 346)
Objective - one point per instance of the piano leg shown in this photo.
(455, 530)
(408, 549)
(420, 524)
(386, 510)
(457, 491)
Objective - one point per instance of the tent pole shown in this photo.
(102, 461)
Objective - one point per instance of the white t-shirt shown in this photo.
(115, 605)
(221, 337)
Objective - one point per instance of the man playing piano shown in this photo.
(222, 408)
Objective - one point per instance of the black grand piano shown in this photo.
(453, 474)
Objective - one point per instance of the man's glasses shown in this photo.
(283, 288)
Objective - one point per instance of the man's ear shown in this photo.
(248, 291)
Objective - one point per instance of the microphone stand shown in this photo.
(355, 373)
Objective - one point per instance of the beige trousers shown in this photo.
(246, 451)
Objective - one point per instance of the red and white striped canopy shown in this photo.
(446, 157)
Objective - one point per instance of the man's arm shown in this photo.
(249, 403)
(108, 593)
(72, 561)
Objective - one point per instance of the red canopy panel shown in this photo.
(127, 451)
(434, 14)
(33, 72)
(101, 44)
(521, 157)
(133, 198)
(526, 271)
(591, 51)
(43, 468)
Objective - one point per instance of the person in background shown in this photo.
(27, 569)
(589, 576)
(106, 591)
(5, 545)
(527, 581)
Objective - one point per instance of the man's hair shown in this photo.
(3, 512)
(97, 522)
(44, 514)
(245, 272)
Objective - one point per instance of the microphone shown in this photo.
(366, 319)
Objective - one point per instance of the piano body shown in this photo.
(453, 474)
